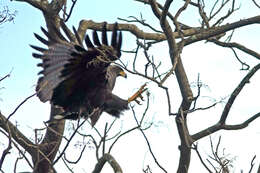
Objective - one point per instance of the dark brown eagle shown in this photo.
(81, 80)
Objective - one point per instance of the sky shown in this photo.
(219, 71)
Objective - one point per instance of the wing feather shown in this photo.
(104, 34)
(95, 38)
(70, 71)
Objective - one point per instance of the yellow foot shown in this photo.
(138, 94)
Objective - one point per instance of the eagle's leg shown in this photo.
(138, 94)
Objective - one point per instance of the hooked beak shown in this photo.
(123, 74)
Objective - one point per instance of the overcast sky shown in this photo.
(218, 68)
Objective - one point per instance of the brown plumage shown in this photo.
(81, 80)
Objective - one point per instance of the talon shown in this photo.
(138, 94)
(138, 102)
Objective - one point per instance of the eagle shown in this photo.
(80, 79)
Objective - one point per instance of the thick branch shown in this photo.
(235, 93)
(221, 124)
(50, 144)
(111, 160)
(183, 82)
(205, 34)
(40, 4)
(89, 24)
(17, 135)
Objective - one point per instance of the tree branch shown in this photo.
(221, 124)
(211, 32)
(111, 160)
(40, 4)
(235, 93)
(17, 135)
(238, 46)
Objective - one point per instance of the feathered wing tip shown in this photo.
(51, 40)
(114, 36)
(88, 42)
(42, 39)
(53, 62)
(77, 36)
(104, 34)
(95, 38)
(116, 41)
(59, 33)
(119, 44)
(46, 33)
(66, 30)
(40, 49)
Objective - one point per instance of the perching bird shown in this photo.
(81, 80)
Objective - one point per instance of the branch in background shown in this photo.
(121, 135)
(228, 14)
(17, 135)
(41, 5)
(77, 160)
(208, 33)
(235, 93)
(17, 147)
(68, 142)
(111, 160)
(66, 16)
(195, 147)
(238, 46)
(257, 5)
(6, 76)
(26, 99)
(252, 164)
(141, 21)
(223, 161)
(139, 124)
(6, 151)
(6, 15)
(147, 170)
(89, 24)
(221, 124)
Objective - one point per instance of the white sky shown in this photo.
(218, 69)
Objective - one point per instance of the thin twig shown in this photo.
(148, 144)
(20, 106)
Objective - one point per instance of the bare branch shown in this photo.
(17, 135)
(26, 99)
(148, 143)
(6, 151)
(195, 147)
(77, 160)
(252, 164)
(142, 21)
(256, 4)
(89, 24)
(205, 34)
(70, 12)
(238, 46)
(41, 5)
(67, 144)
(123, 134)
(235, 93)
(111, 160)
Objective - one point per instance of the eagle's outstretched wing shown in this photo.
(70, 70)
(78, 79)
